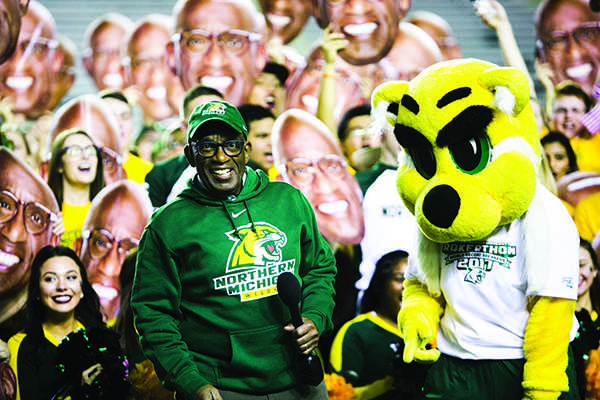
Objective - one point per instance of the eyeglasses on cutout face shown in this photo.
(36, 217)
(586, 34)
(110, 159)
(198, 41)
(302, 171)
(142, 63)
(208, 149)
(38, 48)
(100, 243)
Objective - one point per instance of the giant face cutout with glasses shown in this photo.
(90, 114)
(25, 76)
(568, 39)
(102, 57)
(226, 53)
(146, 67)
(27, 211)
(308, 156)
(112, 229)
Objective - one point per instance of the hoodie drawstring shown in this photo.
(235, 228)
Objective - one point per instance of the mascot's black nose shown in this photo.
(441, 206)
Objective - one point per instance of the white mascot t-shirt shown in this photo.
(486, 293)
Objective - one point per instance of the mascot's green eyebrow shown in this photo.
(453, 95)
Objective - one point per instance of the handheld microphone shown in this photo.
(288, 288)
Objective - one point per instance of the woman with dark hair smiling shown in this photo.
(560, 154)
(60, 302)
(75, 175)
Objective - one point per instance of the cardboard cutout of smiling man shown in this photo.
(566, 33)
(112, 229)
(369, 26)
(29, 210)
(25, 77)
(309, 157)
(237, 53)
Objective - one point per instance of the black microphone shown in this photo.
(290, 293)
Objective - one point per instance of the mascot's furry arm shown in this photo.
(418, 321)
(545, 347)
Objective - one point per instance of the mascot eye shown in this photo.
(419, 149)
(471, 156)
(423, 159)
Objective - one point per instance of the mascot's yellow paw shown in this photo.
(418, 320)
(540, 395)
(417, 333)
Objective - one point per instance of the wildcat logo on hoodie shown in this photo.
(255, 262)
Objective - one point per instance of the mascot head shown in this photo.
(471, 146)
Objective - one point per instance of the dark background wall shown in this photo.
(477, 40)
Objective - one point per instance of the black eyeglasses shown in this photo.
(302, 171)
(36, 217)
(586, 34)
(207, 149)
(232, 42)
(101, 242)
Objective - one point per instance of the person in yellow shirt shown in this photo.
(75, 176)
(587, 216)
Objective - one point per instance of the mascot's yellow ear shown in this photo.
(512, 78)
(391, 94)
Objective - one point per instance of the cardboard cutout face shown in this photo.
(25, 77)
(303, 89)
(202, 52)
(422, 49)
(440, 31)
(93, 116)
(313, 162)
(369, 26)
(26, 223)
(286, 18)
(112, 229)
(567, 38)
(104, 61)
(148, 69)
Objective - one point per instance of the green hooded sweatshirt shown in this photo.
(205, 291)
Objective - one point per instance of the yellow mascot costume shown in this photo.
(494, 273)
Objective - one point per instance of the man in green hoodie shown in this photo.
(205, 291)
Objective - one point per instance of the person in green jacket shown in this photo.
(204, 296)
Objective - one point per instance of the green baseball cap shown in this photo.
(216, 110)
